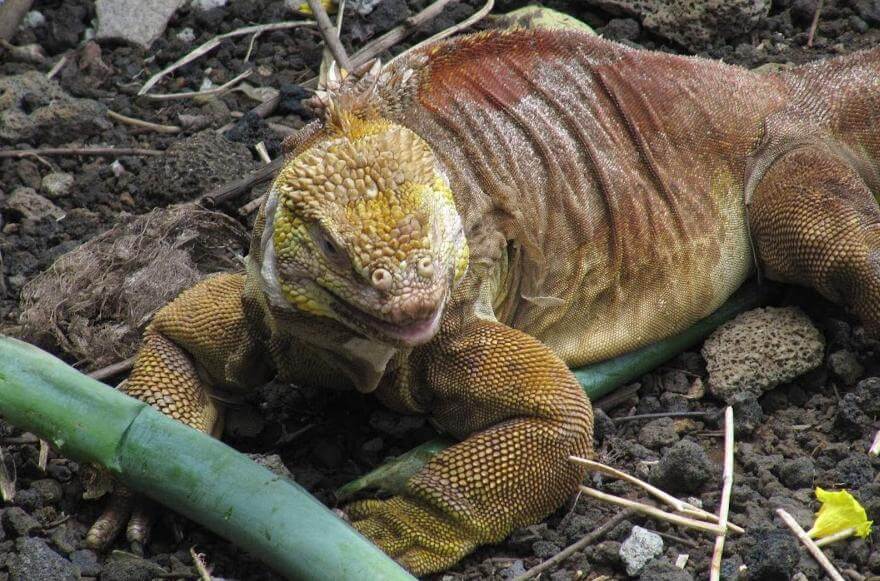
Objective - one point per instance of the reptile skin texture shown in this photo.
(464, 224)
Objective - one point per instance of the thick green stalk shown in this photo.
(597, 380)
(188, 471)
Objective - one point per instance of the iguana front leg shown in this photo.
(522, 413)
(206, 325)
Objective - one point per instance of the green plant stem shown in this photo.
(190, 472)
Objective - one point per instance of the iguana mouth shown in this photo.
(410, 334)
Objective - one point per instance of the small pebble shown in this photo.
(640, 547)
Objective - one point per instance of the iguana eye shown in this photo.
(331, 250)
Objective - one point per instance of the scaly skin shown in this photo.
(467, 223)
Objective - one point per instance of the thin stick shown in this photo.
(57, 67)
(44, 455)
(113, 369)
(472, 19)
(660, 415)
(727, 486)
(233, 189)
(98, 151)
(653, 511)
(278, 128)
(247, 55)
(328, 33)
(677, 539)
(210, 45)
(201, 567)
(815, 551)
(190, 94)
(144, 124)
(815, 24)
(575, 547)
(665, 497)
(7, 482)
(615, 398)
(875, 446)
(262, 152)
(251, 206)
(838, 536)
(369, 50)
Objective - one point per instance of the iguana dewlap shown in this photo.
(463, 225)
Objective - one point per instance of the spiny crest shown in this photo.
(345, 99)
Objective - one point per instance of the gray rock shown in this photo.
(124, 567)
(34, 109)
(868, 10)
(693, 24)
(19, 523)
(774, 556)
(515, 570)
(664, 570)
(57, 184)
(545, 549)
(32, 206)
(747, 416)
(621, 29)
(194, 165)
(843, 364)
(205, 5)
(658, 433)
(134, 21)
(66, 539)
(87, 561)
(760, 349)
(683, 468)
(798, 473)
(640, 547)
(606, 552)
(35, 561)
(49, 490)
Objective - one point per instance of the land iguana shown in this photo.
(463, 225)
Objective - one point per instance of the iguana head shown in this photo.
(361, 227)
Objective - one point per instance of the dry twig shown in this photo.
(469, 21)
(660, 415)
(113, 369)
(815, 24)
(575, 547)
(93, 151)
(190, 94)
(370, 50)
(7, 482)
(330, 34)
(838, 536)
(653, 511)
(210, 45)
(679, 505)
(44, 455)
(56, 68)
(727, 486)
(143, 124)
(811, 546)
(201, 566)
(233, 189)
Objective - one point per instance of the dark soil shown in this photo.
(813, 431)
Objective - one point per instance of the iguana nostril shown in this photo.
(381, 279)
(426, 267)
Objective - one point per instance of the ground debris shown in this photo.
(94, 301)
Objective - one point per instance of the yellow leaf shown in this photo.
(839, 511)
(329, 6)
